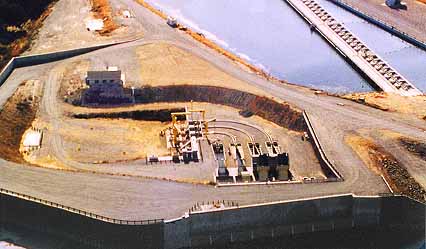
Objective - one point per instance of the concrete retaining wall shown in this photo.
(79, 228)
(331, 172)
(7, 70)
(339, 213)
(32, 60)
(389, 28)
(215, 228)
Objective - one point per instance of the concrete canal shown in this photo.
(272, 35)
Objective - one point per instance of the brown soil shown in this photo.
(415, 147)
(280, 113)
(415, 105)
(73, 81)
(383, 163)
(113, 140)
(163, 64)
(163, 115)
(16, 117)
(102, 10)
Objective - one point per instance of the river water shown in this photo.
(271, 35)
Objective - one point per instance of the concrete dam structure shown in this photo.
(217, 227)
(375, 68)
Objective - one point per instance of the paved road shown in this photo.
(136, 198)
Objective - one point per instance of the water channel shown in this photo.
(271, 35)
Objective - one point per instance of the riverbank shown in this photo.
(212, 45)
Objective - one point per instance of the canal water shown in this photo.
(271, 35)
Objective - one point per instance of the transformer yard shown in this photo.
(154, 128)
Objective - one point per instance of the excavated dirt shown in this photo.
(73, 83)
(383, 163)
(16, 117)
(415, 147)
(414, 105)
(280, 113)
(146, 115)
(101, 9)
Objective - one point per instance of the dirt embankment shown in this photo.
(280, 113)
(383, 163)
(73, 83)
(146, 115)
(16, 117)
(101, 9)
(415, 147)
(415, 105)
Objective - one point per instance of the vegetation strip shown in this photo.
(20, 21)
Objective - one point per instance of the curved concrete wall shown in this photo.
(338, 213)
(78, 227)
(220, 227)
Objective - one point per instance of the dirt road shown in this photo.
(137, 198)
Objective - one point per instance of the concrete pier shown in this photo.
(380, 72)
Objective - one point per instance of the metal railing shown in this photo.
(78, 211)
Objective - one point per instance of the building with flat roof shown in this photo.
(103, 77)
(105, 88)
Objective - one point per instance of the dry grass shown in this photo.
(102, 10)
(392, 102)
(49, 162)
(31, 28)
(100, 140)
(164, 64)
(16, 117)
(366, 150)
